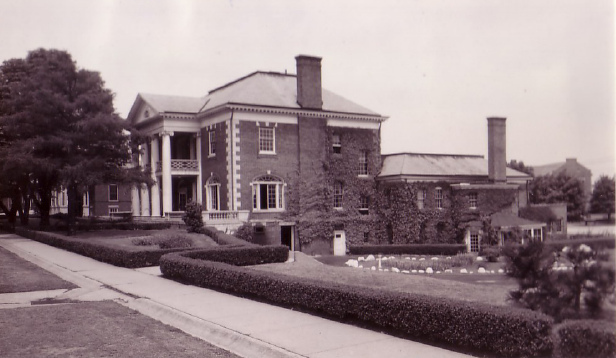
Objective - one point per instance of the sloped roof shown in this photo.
(540, 170)
(439, 165)
(503, 219)
(268, 89)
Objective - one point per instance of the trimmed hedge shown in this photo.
(222, 238)
(585, 338)
(504, 331)
(410, 249)
(108, 254)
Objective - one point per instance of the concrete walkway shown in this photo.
(244, 327)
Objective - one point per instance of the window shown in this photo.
(211, 143)
(268, 193)
(472, 198)
(266, 140)
(113, 209)
(338, 195)
(474, 243)
(336, 144)
(537, 234)
(213, 194)
(438, 197)
(364, 205)
(113, 192)
(421, 199)
(363, 163)
(557, 225)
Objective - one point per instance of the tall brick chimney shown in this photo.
(309, 93)
(497, 154)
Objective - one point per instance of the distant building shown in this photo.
(572, 168)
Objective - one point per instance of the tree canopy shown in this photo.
(519, 166)
(602, 199)
(559, 188)
(59, 128)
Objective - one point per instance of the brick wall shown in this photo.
(100, 202)
(215, 165)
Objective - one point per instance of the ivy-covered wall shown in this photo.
(404, 222)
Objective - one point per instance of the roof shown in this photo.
(421, 165)
(264, 89)
(540, 170)
(504, 219)
(571, 166)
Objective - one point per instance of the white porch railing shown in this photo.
(226, 216)
(180, 165)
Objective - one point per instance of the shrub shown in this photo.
(222, 238)
(411, 249)
(437, 265)
(491, 253)
(165, 241)
(193, 217)
(245, 232)
(585, 338)
(595, 242)
(504, 331)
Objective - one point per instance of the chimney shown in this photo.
(497, 145)
(309, 82)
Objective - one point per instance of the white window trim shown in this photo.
(473, 197)
(256, 195)
(113, 209)
(364, 170)
(211, 144)
(341, 207)
(210, 198)
(438, 197)
(273, 130)
(421, 199)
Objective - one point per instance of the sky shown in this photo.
(436, 68)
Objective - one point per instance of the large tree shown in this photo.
(60, 127)
(602, 199)
(559, 188)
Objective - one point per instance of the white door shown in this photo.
(339, 243)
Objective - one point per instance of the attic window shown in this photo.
(146, 114)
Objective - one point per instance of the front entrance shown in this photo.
(286, 237)
(339, 243)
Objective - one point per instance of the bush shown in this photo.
(222, 238)
(596, 243)
(504, 331)
(108, 254)
(193, 217)
(245, 232)
(437, 265)
(165, 241)
(491, 253)
(585, 338)
(411, 249)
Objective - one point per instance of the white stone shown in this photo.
(395, 269)
(385, 258)
(414, 271)
(481, 270)
(435, 259)
(414, 259)
(352, 263)
(407, 258)
(422, 259)
(470, 273)
(361, 266)
(370, 258)
(373, 268)
(501, 271)
(421, 271)
(429, 270)
(392, 257)
(463, 270)
(448, 257)
(406, 271)
(438, 271)
(361, 258)
(449, 271)
(479, 258)
(492, 271)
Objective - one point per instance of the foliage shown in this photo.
(519, 166)
(60, 129)
(491, 253)
(243, 255)
(602, 199)
(105, 253)
(441, 264)
(409, 249)
(245, 232)
(165, 241)
(559, 188)
(549, 286)
(193, 217)
(502, 331)
(585, 338)
(537, 213)
(222, 238)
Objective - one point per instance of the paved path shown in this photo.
(244, 327)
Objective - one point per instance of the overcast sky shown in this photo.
(437, 68)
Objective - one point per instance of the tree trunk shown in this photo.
(44, 206)
(72, 195)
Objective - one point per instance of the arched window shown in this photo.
(268, 193)
(212, 194)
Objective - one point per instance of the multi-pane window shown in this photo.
(363, 163)
(338, 195)
(438, 197)
(537, 234)
(213, 194)
(266, 140)
(364, 205)
(556, 226)
(421, 199)
(472, 198)
(336, 144)
(113, 192)
(268, 193)
(474, 242)
(211, 143)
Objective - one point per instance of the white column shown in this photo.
(166, 177)
(200, 176)
(145, 197)
(155, 189)
(134, 194)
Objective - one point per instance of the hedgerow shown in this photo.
(585, 338)
(504, 331)
(108, 254)
(410, 249)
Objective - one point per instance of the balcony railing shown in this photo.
(180, 165)
(227, 216)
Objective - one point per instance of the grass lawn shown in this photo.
(19, 275)
(94, 329)
(434, 285)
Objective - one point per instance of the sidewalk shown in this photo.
(244, 327)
